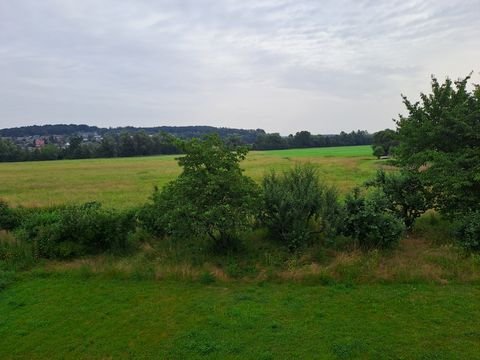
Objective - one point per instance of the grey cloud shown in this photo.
(276, 64)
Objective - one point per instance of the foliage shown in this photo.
(304, 139)
(8, 217)
(406, 195)
(440, 136)
(369, 223)
(385, 140)
(75, 230)
(293, 202)
(468, 232)
(210, 197)
(379, 151)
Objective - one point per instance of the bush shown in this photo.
(76, 230)
(296, 205)
(468, 232)
(369, 223)
(407, 196)
(8, 217)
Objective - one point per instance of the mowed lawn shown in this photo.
(96, 318)
(124, 182)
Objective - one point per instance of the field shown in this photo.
(124, 182)
(97, 318)
(418, 301)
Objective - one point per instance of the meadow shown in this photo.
(75, 316)
(125, 182)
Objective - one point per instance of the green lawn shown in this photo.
(69, 317)
(123, 182)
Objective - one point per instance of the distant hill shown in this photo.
(248, 136)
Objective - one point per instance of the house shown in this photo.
(39, 143)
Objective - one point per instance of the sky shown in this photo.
(280, 65)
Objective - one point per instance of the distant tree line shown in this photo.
(134, 142)
(248, 136)
(305, 139)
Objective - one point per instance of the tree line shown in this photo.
(141, 143)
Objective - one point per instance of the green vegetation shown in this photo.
(296, 205)
(405, 194)
(126, 182)
(439, 138)
(210, 197)
(369, 223)
(76, 316)
(74, 230)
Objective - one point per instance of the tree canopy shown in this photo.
(210, 197)
(440, 139)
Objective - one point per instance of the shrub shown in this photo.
(407, 196)
(8, 217)
(296, 205)
(76, 230)
(468, 232)
(369, 223)
(211, 197)
(150, 216)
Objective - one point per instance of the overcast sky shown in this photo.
(280, 65)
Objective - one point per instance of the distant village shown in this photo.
(60, 141)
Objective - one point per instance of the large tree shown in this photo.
(439, 139)
(210, 197)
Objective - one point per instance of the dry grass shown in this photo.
(415, 260)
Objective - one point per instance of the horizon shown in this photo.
(279, 65)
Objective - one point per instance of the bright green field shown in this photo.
(124, 182)
(62, 317)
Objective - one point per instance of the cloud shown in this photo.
(282, 65)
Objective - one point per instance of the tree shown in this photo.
(210, 197)
(302, 139)
(440, 139)
(378, 151)
(126, 145)
(386, 139)
(9, 151)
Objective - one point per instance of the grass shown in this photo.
(126, 182)
(60, 317)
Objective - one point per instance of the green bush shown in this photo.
(75, 230)
(468, 232)
(407, 197)
(8, 218)
(369, 223)
(150, 216)
(297, 205)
